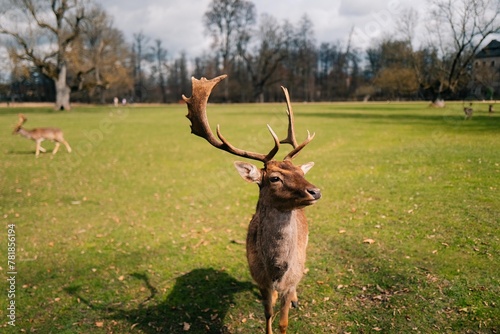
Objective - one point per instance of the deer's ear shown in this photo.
(248, 172)
(306, 167)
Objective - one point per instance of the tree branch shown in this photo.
(32, 10)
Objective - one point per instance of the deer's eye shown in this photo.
(274, 179)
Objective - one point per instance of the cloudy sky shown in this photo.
(179, 25)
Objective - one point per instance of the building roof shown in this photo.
(490, 50)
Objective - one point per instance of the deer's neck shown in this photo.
(278, 236)
(25, 133)
(277, 219)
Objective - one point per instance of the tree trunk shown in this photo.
(258, 93)
(100, 91)
(63, 91)
(261, 97)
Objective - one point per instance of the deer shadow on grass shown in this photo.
(198, 303)
(23, 152)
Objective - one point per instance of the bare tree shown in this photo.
(178, 81)
(42, 33)
(304, 58)
(407, 25)
(140, 44)
(338, 68)
(229, 22)
(459, 28)
(98, 56)
(263, 61)
(160, 55)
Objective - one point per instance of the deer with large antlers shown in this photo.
(278, 233)
(41, 134)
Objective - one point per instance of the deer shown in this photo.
(277, 235)
(40, 134)
(468, 111)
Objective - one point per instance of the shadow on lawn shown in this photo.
(198, 303)
(31, 152)
(450, 119)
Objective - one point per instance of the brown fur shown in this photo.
(278, 235)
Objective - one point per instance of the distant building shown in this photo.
(486, 71)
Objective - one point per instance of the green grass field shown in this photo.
(141, 229)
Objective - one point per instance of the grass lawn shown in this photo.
(141, 229)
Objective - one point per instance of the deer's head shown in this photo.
(282, 184)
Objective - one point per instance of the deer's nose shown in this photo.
(314, 192)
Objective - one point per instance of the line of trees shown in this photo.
(62, 50)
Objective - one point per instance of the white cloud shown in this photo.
(358, 7)
(179, 24)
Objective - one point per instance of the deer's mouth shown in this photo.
(307, 202)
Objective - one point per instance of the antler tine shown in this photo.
(290, 139)
(22, 119)
(296, 150)
(251, 155)
(197, 114)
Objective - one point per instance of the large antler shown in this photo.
(22, 120)
(197, 114)
(290, 139)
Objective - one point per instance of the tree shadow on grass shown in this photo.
(447, 119)
(30, 110)
(198, 303)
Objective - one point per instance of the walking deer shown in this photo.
(41, 134)
(278, 233)
(468, 111)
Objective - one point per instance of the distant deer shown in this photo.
(41, 134)
(278, 233)
(468, 111)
